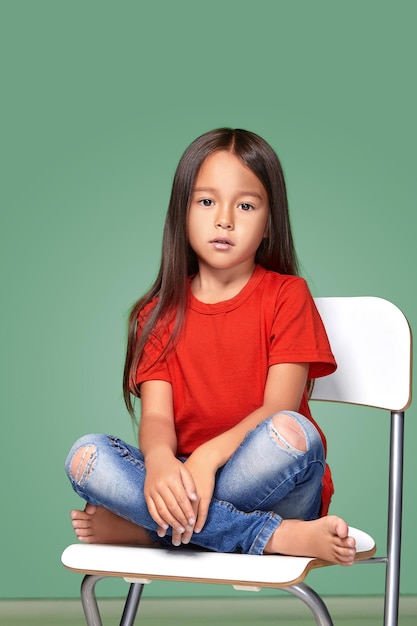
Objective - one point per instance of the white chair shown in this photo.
(371, 340)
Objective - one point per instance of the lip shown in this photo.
(222, 241)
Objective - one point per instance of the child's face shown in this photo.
(228, 214)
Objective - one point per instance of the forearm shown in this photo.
(169, 487)
(157, 429)
(156, 435)
(218, 450)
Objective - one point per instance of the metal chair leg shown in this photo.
(314, 602)
(88, 599)
(132, 604)
(392, 580)
(90, 606)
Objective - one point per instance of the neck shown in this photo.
(211, 285)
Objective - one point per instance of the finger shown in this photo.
(189, 530)
(180, 506)
(202, 515)
(169, 512)
(153, 512)
(172, 504)
(187, 534)
(189, 484)
(176, 537)
(161, 531)
(161, 515)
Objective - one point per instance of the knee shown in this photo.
(288, 432)
(81, 458)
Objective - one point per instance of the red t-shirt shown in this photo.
(219, 365)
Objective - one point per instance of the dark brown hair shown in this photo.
(178, 261)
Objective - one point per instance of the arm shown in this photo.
(169, 487)
(284, 389)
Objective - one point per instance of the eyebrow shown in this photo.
(254, 194)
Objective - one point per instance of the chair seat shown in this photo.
(137, 564)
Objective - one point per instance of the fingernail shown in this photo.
(180, 529)
(191, 521)
(189, 529)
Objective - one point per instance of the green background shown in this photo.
(99, 100)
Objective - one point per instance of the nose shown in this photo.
(224, 219)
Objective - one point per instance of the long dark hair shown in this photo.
(276, 252)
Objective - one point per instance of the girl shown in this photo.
(220, 351)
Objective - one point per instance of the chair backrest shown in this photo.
(371, 340)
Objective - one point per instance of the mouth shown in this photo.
(221, 243)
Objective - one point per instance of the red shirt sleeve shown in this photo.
(298, 334)
(153, 365)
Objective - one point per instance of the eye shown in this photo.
(245, 206)
(206, 202)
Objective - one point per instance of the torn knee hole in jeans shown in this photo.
(83, 463)
(294, 439)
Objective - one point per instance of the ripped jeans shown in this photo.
(265, 481)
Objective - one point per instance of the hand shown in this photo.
(170, 494)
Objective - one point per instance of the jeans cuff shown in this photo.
(265, 534)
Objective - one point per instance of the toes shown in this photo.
(89, 510)
(78, 515)
(83, 532)
(337, 526)
(342, 529)
(81, 523)
(346, 556)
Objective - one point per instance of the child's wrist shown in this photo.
(213, 454)
(158, 452)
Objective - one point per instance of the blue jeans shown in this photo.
(263, 482)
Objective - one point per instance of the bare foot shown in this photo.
(325, 538)
(98, 525)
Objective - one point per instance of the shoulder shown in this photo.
(146, 310)
(151, 321)
(276, 279)
(283, 286)
(286, 298)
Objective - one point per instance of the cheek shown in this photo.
(193, 226)
(263, 229)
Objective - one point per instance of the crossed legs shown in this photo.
(325, 538)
